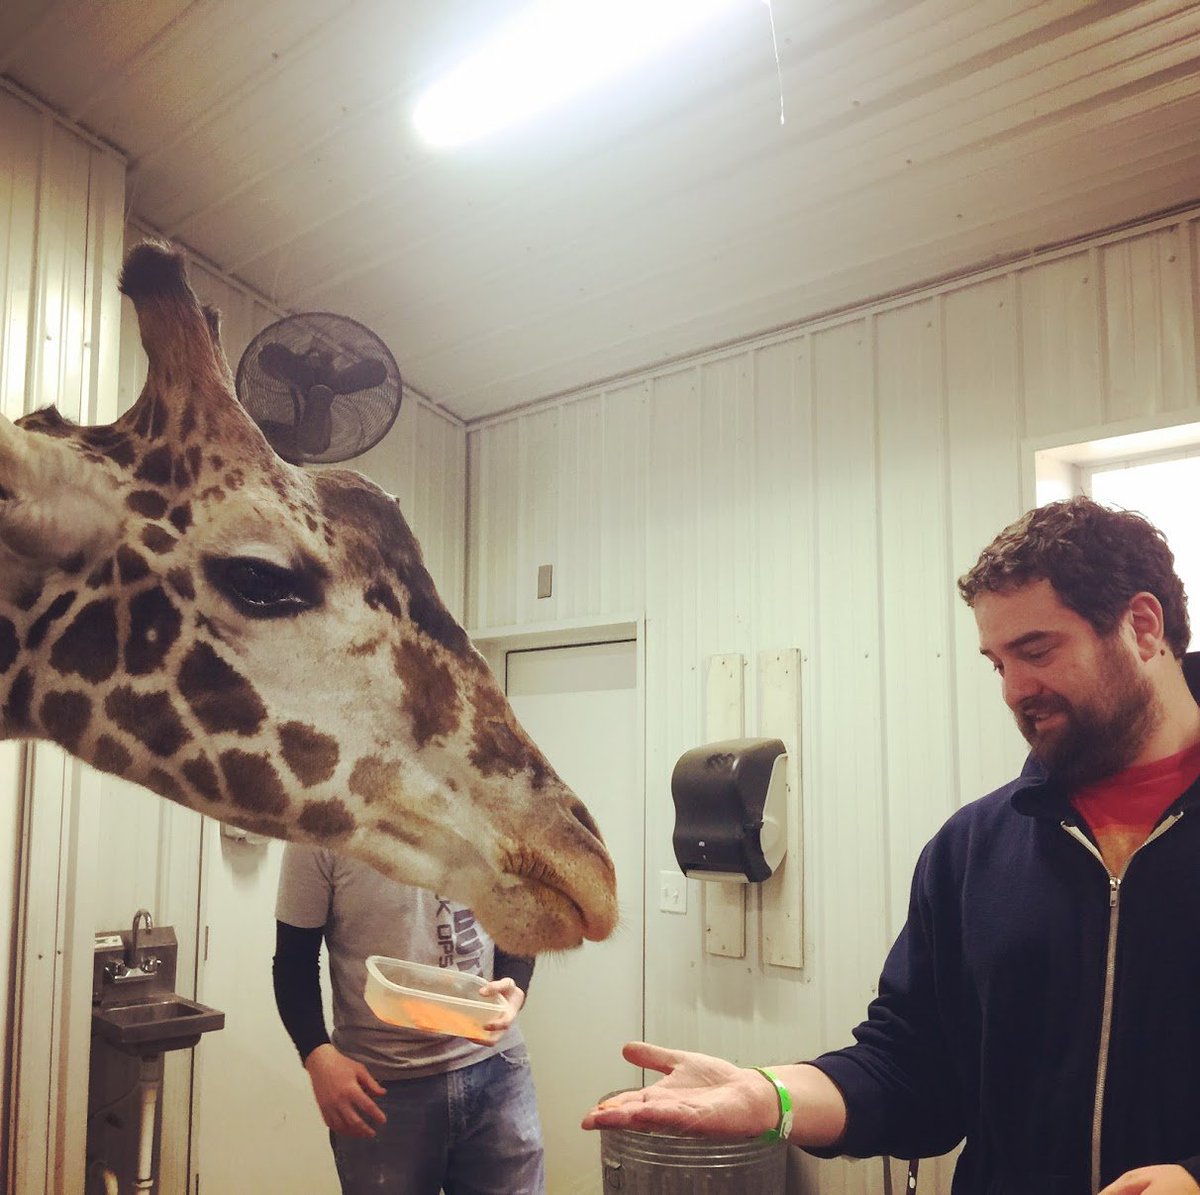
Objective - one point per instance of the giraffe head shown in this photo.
(263, 643)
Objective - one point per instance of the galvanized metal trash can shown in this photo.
(637, 1163)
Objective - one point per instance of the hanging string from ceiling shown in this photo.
(775, 46)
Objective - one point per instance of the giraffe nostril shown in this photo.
(585, 819)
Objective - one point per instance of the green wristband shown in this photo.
(782, 1130)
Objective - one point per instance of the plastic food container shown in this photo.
(433, 999)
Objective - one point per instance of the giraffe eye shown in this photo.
(263, 589)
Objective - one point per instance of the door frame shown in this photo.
(494, 644)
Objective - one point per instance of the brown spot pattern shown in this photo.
(378, 594)
(16, 705)
(167, 786)
(498, 748)
(156, 466)
(180, 580)
(372, 532)
(29, 596)
(148, 717)
(373, 778)
(101, 437)
(187, 422)
(49, 616)
(9, 645)
(252, 782)
(65, 717)
(181, 518)
(202, 776)
(159, 414)
(326, 820)
(111, 756)
(209, 628)
(426, 610)
(311, 755)
(101, 576)
(144, 419)
(158, 539)
(88, 647)
(150, 504)
(122, 453)
(269, 826)
(430, 696)
(131, 565)
(218, 694)
(154, 624)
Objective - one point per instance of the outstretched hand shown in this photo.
(1154, 1180)
(699, 1095)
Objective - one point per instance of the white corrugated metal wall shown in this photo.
(61, 200)
(823, 489)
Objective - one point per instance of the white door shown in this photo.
(580, 705)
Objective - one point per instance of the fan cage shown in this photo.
(359, 420)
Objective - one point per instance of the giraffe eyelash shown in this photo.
(263, 589)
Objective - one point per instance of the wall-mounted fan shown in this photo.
(322, 387)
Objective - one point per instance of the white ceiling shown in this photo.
(667, 214)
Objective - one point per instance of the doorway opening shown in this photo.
(1155, 471)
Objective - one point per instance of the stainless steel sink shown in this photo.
(155, 1025)
(134, 1005)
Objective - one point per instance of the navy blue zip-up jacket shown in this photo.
(999, 1009)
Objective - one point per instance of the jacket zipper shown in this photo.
(1114, 917)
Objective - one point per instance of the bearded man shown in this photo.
(1042, 1003)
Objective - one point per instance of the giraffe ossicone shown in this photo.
(263, 643)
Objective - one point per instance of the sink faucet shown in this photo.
(140, 917)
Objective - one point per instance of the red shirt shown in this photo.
(1137, 797)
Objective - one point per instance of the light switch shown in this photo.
(545, 580)
(672, 892)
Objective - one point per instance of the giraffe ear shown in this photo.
(53, 504)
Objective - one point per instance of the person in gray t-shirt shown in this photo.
(409, 1112)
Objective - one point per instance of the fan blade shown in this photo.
(362, 375)
(281, 437)
(283, 365)
(315, 430)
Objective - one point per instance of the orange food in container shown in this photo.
(432, 999)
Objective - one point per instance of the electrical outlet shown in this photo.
(672, 892)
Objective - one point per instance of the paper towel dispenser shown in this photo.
(731, 810)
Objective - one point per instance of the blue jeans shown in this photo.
(472, 1131)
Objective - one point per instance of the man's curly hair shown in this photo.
(1096, 558)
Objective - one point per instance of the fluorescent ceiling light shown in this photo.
(553, 50)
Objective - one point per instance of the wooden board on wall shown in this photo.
(782, 896)
(724, 902)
